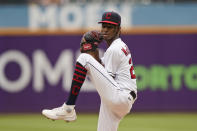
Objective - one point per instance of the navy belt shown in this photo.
(132, 93)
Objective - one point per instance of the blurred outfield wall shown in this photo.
(36, 65)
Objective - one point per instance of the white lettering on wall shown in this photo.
(39, 17)
(75, 16)
(40, 71)
(70, 16)
(25, 67)
(44, 69)
(93, 13)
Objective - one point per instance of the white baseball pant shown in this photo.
(115, 102)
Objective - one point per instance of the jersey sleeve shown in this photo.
(112, 61)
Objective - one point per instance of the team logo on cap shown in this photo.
(108, 15)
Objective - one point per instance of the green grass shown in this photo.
(88, 122)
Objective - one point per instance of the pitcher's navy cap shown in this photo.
(111, 17)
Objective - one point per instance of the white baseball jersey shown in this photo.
(118, 63)
(113, 83)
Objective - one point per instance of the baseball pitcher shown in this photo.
(113, 76)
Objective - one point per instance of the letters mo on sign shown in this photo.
(37, 71)
(38, 68)
(75, 16)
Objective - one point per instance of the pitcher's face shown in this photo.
(109, 31)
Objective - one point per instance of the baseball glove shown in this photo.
(90, 41)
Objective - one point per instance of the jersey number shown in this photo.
(133, 76)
